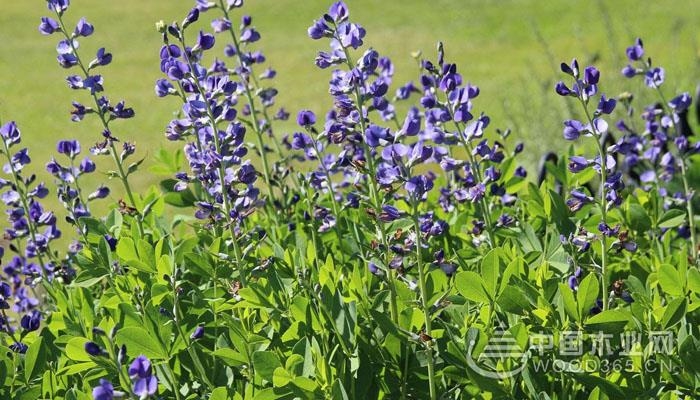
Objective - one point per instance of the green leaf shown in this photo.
(569, 301)
(34, 359)
(671, 218)
(587, 294)
(674, 313)
(669, 280)
(471, 286)
(139, 341)
(265, 363)
(638, 218)
(219, 393)
(609, 321)
(694, 280)
(281, 378)
(513, 300)
(75, 349)
(490, 271)
(126, 249)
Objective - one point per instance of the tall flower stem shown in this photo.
(603, 206)
(684, 177)
(374, 193)
(221, 170)
(424, 301)
(253, 112)
(123, 177)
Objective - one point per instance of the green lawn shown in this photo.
(510, 48)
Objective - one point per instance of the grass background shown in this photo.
(510, 48)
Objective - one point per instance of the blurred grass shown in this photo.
(510, 48)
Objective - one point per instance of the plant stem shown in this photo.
(424, 301)
(603, 206)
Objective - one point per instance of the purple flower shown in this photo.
(387, 174)
(476, 193)
(198, 333)
(71, 148)
(389, 213)
(205, 41)
(83, 28)
(606, 106)
(577, 200)
(93, 349)
(573, 129)
(351, 35)
(680, 103)
(377, 136)
(629, 71)
(10, 133)
(100, 193)
(591, 75)
(145, 383)
(636, 51)
(306, 118)
(570, 69)
(30, 322)
(192, 16)
(338, 12)
(563, 90)
(48, 26)
(319, 29)
(250, 36)
(220, 25)
(59, 6)
(654, 77)
(102, 58)
(105, 391)
(418, 186)
(578, 164)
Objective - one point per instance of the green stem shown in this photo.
(603, 206)
(253, 112)
(105, 124)
(684, 177)
(424, 302)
